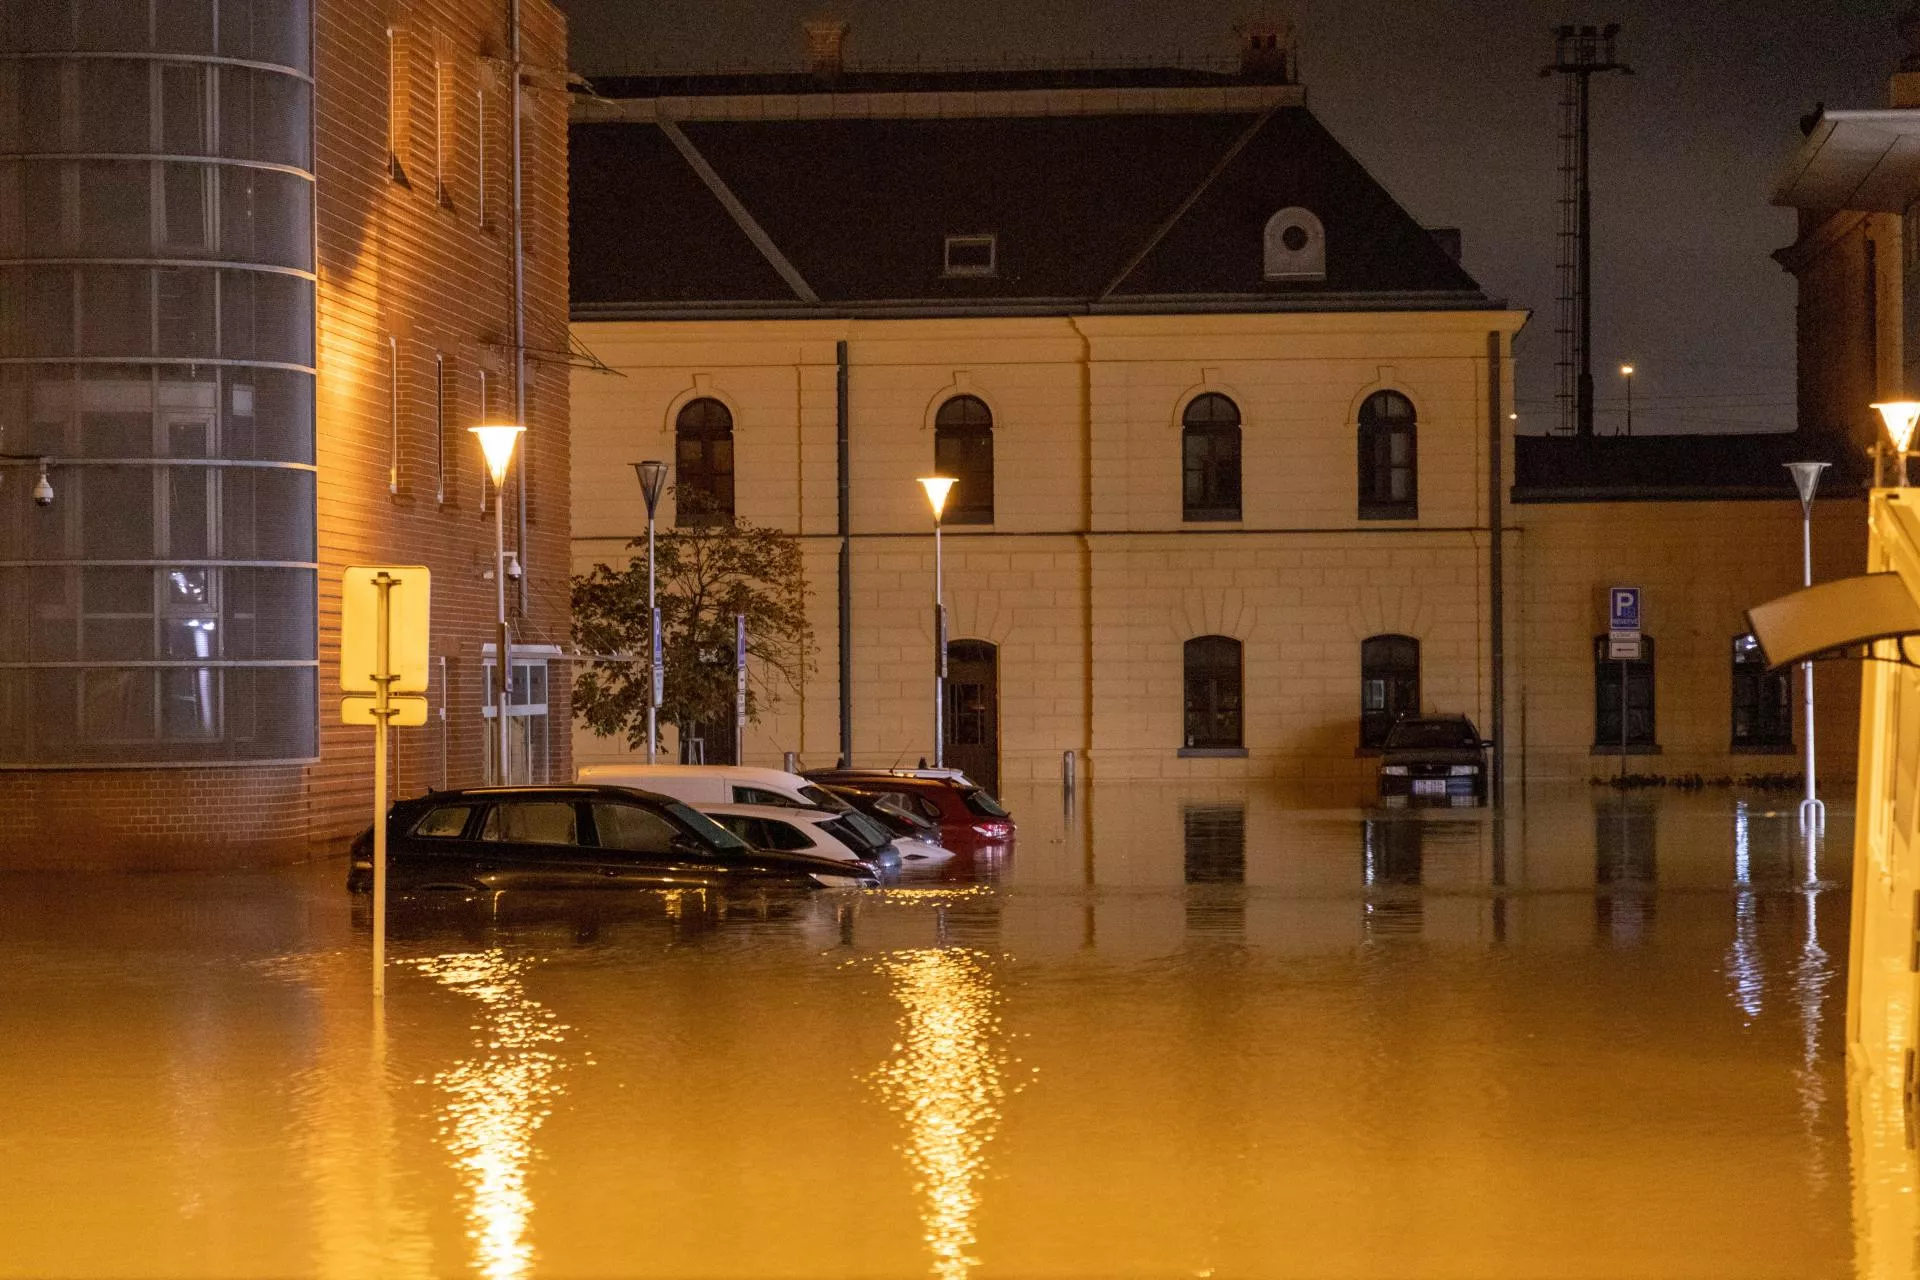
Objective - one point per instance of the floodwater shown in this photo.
(1174, 1034)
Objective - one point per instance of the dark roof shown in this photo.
(916, 80)
(1679, 468)
(862, 207)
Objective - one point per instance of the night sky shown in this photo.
(1444, 104)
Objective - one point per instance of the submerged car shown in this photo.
(488, 839)
(824, 832)
(970, 819)
(1434, 760)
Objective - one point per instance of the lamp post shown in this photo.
(1626, 371)
(653, 479)
(1900, 417)
(497, 442)
(1806, 478)
(937, 488)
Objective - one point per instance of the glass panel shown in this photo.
(112, 99)
(113, 208)
(117, 706)
(185, 226)
(115, 311)
(186, 312)
(446, 822)
(116, 435)
(189, 703)
(116, 511)
(185, 26)
(532, 822)
(183, 109)
(118, 26)
(630, 828)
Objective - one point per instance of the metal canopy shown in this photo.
(1867, 161)
(1823, 620)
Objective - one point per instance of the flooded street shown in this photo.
(1173, 1034)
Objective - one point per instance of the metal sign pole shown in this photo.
(939, 656)
(382, 726)
(739, 688)
(1623, 722)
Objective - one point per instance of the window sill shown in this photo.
(1201, 517)
(1633, 749)
(1386, 513)
(1212, 753)
(1763, 749)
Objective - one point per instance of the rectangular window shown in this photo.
(486, 481)
(1623, 689)
(393, 415)
(398, 104)
(480, 150)
(442, 115)
(1762, 703)
(440, 415)
(972, 256)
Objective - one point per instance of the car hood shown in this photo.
(810, 863)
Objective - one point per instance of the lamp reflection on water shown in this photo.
(945, 1078)
(497, 1101)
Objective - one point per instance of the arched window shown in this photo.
(1210, 458)
(1213, 692)
(703, 450)
(1389, 685)
(963, 449)
(1389, 471)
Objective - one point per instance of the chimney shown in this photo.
(1269, 51)
(825, 40)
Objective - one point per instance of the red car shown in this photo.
(971, 820)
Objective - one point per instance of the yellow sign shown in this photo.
(407, 602)
(408, 709)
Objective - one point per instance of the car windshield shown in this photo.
(980, 802)
(888, 807)
(825, 799)
(707, 829)
(1429, 735)
(875, 834)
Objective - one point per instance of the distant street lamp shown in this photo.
(653, 479)
(1626, 371)
(937, 488)
(1806, 478)
(1900, 417)
(497, 442)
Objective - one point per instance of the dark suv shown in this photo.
(1434, 760)
(485, 839)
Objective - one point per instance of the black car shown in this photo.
(1434, 759)
(486, 839)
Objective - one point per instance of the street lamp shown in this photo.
(1900, 417)
(653, 479)
(1626, 371)
(1806, 478)
(496, 442)
(937, 488)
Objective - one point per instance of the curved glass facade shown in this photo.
(157, 349)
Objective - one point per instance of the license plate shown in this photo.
(1429, 786)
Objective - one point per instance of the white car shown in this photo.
(820, 832)
(704, 784)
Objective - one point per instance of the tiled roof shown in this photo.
(861, 207)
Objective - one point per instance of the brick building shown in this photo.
(261, 264)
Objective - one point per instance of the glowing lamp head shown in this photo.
(937, 488)
(1626, 371)
(1900, 417)
(497, 442)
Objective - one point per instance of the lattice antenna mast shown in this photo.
(1579, 53)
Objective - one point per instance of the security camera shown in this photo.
(513, 567)
(43, 489)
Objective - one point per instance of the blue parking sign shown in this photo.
(1623, 609)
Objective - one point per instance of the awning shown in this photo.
(1822, 621)
(1867, 161)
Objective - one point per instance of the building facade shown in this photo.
(259, 270)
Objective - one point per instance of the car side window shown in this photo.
(444, 823)
(533, 822)
(631, 829)
(784, 836)
(916, 804)
(760, 795)
(740, 824)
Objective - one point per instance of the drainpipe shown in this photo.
(1496, 571)
(519, 313)
(846, 555)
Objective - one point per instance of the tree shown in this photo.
(706, 572)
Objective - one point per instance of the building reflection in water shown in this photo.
(1812, 974)
(1215, 854)
(496, 1102)
(1624, 866)
(945, 1078)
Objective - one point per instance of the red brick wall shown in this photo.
(413, 262)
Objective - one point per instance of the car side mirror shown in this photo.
(687, 847)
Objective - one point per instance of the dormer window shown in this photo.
(971, 256)
(1296, 246)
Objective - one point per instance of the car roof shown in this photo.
(730, 772)
(553, 791)
(785, 812)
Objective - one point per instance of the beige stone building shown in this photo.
(1237, 485)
